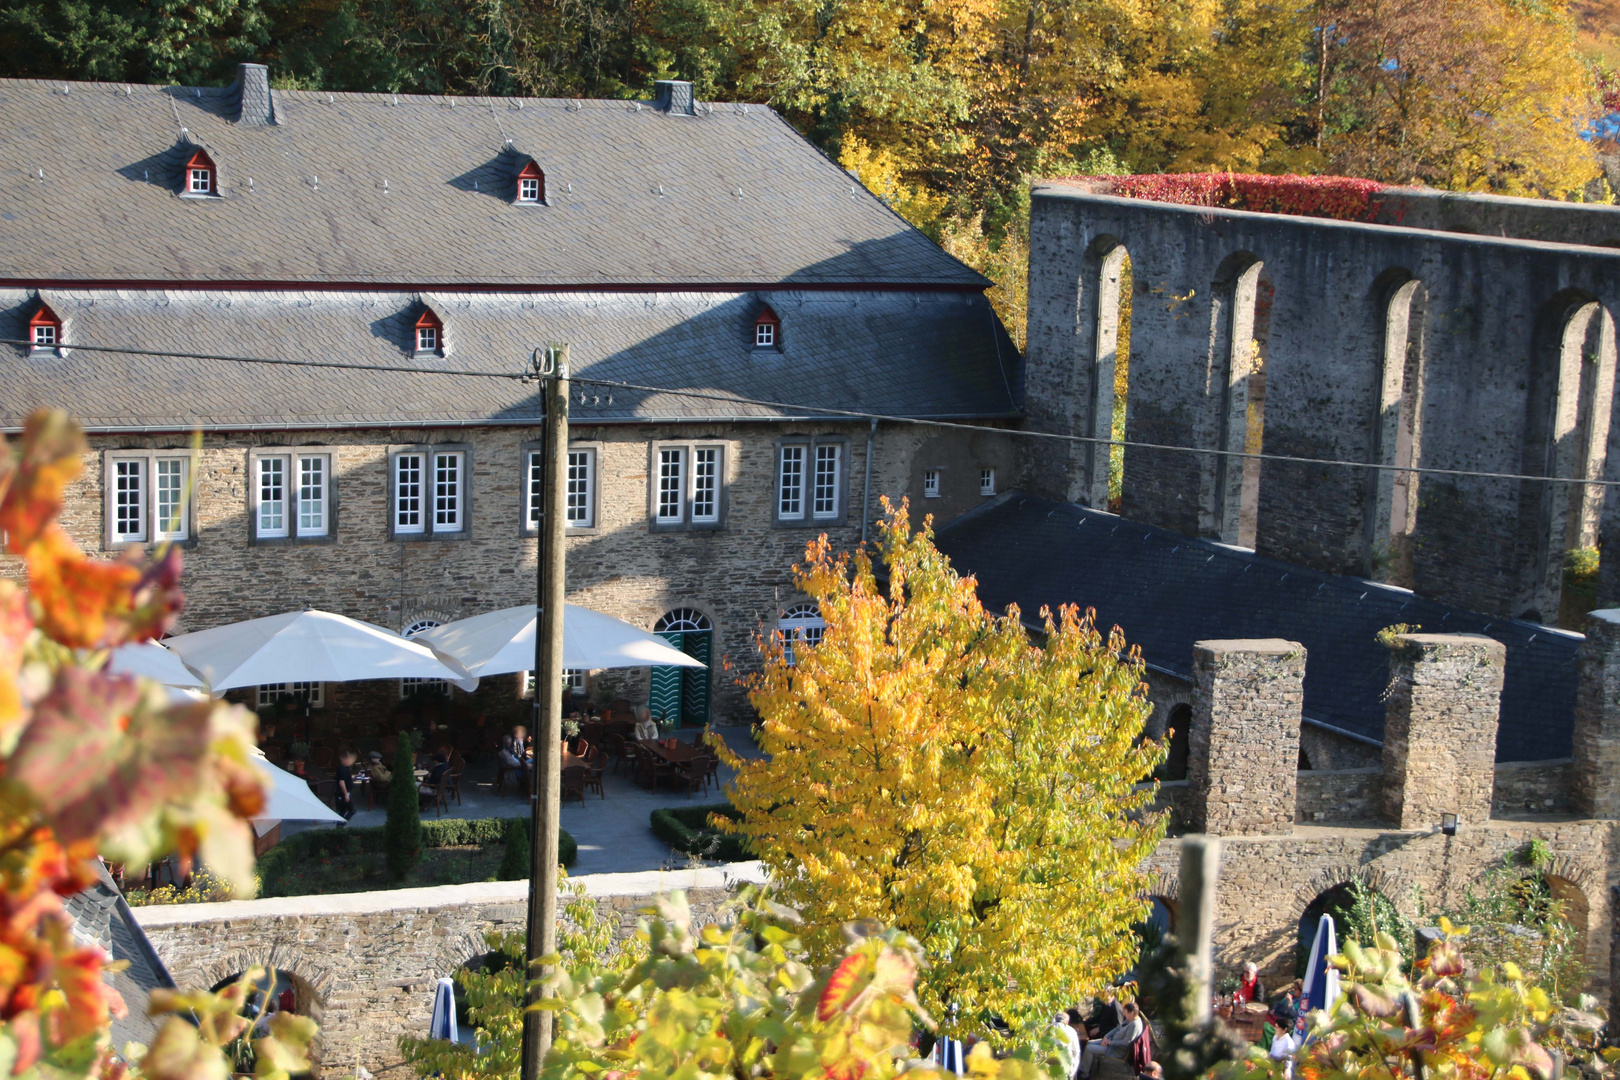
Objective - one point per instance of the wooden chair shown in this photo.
(321, 756)
(501, 773)
(326, 791)
(597, 766)
(574, 780)
(440, 791)
(710, 763)
(454, 776)
(616, 747)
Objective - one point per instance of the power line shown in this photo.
(531, 375)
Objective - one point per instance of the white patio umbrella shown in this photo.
(443, 1023)
(290, 797)
(149, 659)
(501, 642)
(308, 646)
(1321, 988)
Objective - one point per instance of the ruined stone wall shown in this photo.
(1244, 747)
(1533, 787)
(1339, 795)
(1486, 360)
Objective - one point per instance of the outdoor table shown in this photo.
(362, 780)
(1249, 1019)
(679, 754)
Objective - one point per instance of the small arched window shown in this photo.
(429, 334)
(200, 176)
(531, 184)
(45, 329)
(800, 624)
(767, 330)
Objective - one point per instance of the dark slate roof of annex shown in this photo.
(1166, 591)
(416, 191)
(935, 354)
(101, 915)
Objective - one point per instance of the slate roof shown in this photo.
(1167, 591)
(100, 915)
(412, 190)
(938, 354)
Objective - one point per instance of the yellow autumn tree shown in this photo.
(931, 767)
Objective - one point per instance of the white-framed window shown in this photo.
(407, 687)
(671, 485)
(580, 489)
(790, 482)
(200, 181)
(448, 492)
(828, 475)
(800, 624)
(930, 483)
(148, 496)
(312, 500)
(129, 500)
(987, 481)
(529, 189)
(573, 681)
(430, 491)
(170, 491)
(44, 335)
(291, 495)
(408, 512)
(427, 339)
(764, 335)
(312, 694)
(706, 484)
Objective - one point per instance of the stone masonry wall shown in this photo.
(1440, 728)
(1339, 795)
(739, 575)
(1244, 746)
(1597, 718)
(365, 964)
(1533, 787)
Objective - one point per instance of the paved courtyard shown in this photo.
(613, 833)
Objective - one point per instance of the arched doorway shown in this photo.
(1358, 911)
(272, 991)
(681, 695)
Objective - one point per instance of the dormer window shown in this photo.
(531, 184)
(45, 329)
(429, 334)
(201, 176)
(767, 330)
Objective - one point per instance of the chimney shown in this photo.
(254, 105)
(674, 96)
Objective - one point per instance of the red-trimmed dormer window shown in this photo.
(45, 329)
(201, 176)
(531, 184)
(767, 330)
(429, 334)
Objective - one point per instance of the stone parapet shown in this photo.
(1596, 779)
(1338, 794)
(1440, 728)
(1243, 753)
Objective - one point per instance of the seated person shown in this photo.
(1106, 1015)
(430, 785)
(1285, 1009)
(646, 730)
(1249, 987)
(508, 753)
(380, 773)
(1117, 1043)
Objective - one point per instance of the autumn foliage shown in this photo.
(1343, 198)
(933, 768)
(97, 763)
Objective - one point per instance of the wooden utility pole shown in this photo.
(544, 802)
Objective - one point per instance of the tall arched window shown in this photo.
(1243, 324)
(801, 623)
(409, 687)
(1105, 479)
(1397, 433)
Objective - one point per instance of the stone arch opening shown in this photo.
(1357, 909)
(275, 990)
(1574, 906)
(1176, 728)
(1566, 435)
(1108, 263)
(1397, 432)
(1242, 303)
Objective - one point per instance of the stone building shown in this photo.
(1451, 332)
(676, 245)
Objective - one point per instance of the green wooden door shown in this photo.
(695, 681)
(665, 699)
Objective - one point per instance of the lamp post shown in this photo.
(544, 793)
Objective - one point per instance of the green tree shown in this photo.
(930, 767)
(403, 837)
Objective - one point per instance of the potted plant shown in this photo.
(297, 756)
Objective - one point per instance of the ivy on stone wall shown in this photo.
(1342, 198)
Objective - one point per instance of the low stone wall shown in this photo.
(1338, 794)
(1535, 787)
(364, 964)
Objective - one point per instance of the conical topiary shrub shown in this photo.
(404, 835)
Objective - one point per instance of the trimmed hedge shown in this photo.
(687, 829)
(442, 832)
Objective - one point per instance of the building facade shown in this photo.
(297, 328)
